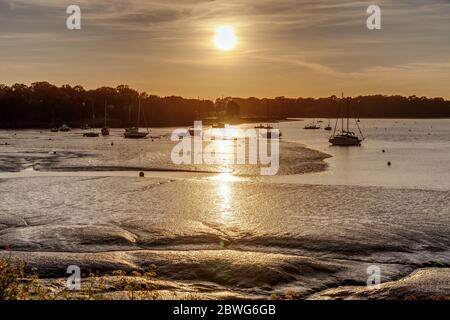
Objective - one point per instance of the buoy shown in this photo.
(141, 174)
(112, 143)
(384, 151)
(389, 164)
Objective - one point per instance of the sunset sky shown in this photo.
(284, 47)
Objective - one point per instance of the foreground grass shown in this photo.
(16, 284)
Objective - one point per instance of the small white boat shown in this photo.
(64, 128)
(312, 126)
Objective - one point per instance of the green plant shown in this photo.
(11, 273)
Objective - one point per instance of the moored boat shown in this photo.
(64, 128)
(344, 137)
(105, 129)
(133, 132)
(91, 134)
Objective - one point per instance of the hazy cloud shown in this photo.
(137, 41)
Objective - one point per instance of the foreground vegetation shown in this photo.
(17, 284)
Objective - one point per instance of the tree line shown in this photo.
(45, 105)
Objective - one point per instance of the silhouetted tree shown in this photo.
(44, 105)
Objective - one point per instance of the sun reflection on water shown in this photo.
(224, 194)
(226, 177)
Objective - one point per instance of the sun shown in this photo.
(225, 38)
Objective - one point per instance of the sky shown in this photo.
(292, 48)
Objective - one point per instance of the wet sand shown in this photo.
(215, 235)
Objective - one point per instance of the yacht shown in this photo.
(92, 134)
(133, 132)
(344, 137)
(105, 129)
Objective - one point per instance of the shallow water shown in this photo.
(419, 151)
(245, 234)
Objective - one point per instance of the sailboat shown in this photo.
(133, 132)
(105, 130)
(328, 127)
(345, 137)
(92, 134)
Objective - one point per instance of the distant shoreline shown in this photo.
(207, 121)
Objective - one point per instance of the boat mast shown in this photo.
(139, 112)
(342, 115)
(105, 112)
(93, 116)
(348, 115)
